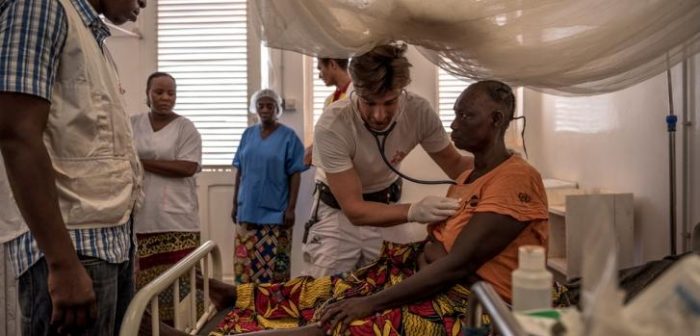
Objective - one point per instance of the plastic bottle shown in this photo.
(532, 283)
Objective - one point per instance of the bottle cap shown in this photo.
(531, 257)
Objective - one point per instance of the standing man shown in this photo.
(333, 72)
(357, 191)
(69, 176)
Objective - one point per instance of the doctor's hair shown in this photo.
(341, 62)
(383, 69)
(150, 79)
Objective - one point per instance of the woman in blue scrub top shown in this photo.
(268, 164)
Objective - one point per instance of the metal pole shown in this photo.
(503, 319)
(687, 153)
(671, 120)
(672, 181)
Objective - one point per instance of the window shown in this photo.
(449, 88)
(204, 46)
(320, 92)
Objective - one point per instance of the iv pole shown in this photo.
(671, 120)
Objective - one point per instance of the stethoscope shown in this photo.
(381, 145)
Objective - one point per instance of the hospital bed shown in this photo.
(206, 258)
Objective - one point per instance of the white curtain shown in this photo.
(561, 46)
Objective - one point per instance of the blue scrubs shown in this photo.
(265, 167)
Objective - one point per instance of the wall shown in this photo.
(693, 151)
(619, 142)
(136, 58)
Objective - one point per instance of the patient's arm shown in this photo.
(486, 235)
(432, 251)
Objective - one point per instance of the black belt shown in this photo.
(391, 194)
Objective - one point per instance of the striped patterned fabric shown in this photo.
(295, 303)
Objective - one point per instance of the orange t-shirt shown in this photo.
(514, 189)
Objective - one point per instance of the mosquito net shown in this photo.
(562, 46)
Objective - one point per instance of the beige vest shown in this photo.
(89, 139)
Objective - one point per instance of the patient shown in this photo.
(419, 288)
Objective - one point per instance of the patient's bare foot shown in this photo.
(166, 330)
(163, 329)
(222, 295)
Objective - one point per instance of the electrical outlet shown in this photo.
(289, 104)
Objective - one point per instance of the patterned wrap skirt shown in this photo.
(294, 303)
(158, 252)
(262, 253)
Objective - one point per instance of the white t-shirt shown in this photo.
(170, 203)
(341, 140)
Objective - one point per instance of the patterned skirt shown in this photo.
(262, 253)
(294, 303)
(158, 252)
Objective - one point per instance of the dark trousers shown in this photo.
(113, 285)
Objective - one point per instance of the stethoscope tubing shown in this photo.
(382, 145)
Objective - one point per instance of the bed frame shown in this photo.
(148, 295)
(483, 300)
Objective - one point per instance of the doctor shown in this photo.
(357, 191)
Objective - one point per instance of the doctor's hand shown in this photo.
(308, 155)
(432, 209)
